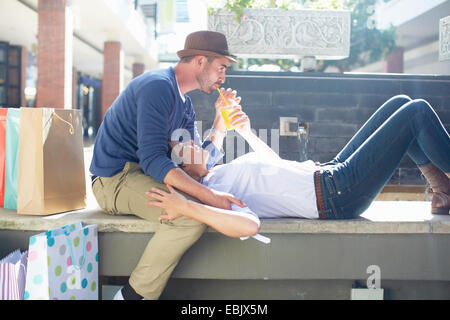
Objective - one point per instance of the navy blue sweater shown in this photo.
(139, 124)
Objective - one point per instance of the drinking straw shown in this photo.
(224, 99)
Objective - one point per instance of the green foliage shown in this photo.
(238, 6)
(367, 44)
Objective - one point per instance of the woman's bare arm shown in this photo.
(259, 146)
(242, 121)
(230, 223)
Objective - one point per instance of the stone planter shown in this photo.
(279, 33)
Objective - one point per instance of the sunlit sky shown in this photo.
(197, 21)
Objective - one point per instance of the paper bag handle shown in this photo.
(71, 129)
(68, 229)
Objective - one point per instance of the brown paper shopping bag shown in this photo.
(51, 173)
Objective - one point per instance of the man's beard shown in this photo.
(205, 85)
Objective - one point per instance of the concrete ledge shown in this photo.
(401, 237)
(383, 217)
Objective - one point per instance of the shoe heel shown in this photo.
(440, 211)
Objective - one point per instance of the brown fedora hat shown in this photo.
(206, 43)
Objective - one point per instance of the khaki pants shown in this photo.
(124, 193)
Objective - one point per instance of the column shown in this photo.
(394, 62)
(54, 58)
(74, 87)
(23, 76)
(112, 74)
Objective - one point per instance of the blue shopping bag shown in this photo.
(11, 158)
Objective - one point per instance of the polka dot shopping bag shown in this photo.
(63, 264)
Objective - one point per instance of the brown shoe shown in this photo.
(440, 184)
(440, 203)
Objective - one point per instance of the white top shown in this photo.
(183, 98)
(270, 188)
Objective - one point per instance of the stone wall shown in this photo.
(334, 105)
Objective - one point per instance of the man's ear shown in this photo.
(200, 60)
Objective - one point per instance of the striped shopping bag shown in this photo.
(13, 270)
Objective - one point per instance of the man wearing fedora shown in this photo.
(132, 154)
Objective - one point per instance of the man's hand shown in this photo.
(180, 180)
(224, 200)
(195, 171)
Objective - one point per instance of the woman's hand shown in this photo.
(240, 120)
(173, 203)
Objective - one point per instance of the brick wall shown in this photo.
(334, 105)
(54, 59)
(113, 65)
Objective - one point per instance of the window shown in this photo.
(10, 75)
(3, 73)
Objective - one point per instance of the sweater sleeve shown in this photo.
(155, 102)
(214, 153)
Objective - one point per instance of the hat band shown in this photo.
(200, 52)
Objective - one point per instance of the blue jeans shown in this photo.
(352, 180)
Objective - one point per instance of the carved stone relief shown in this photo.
(269, 33)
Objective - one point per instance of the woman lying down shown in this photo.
(343, 188)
